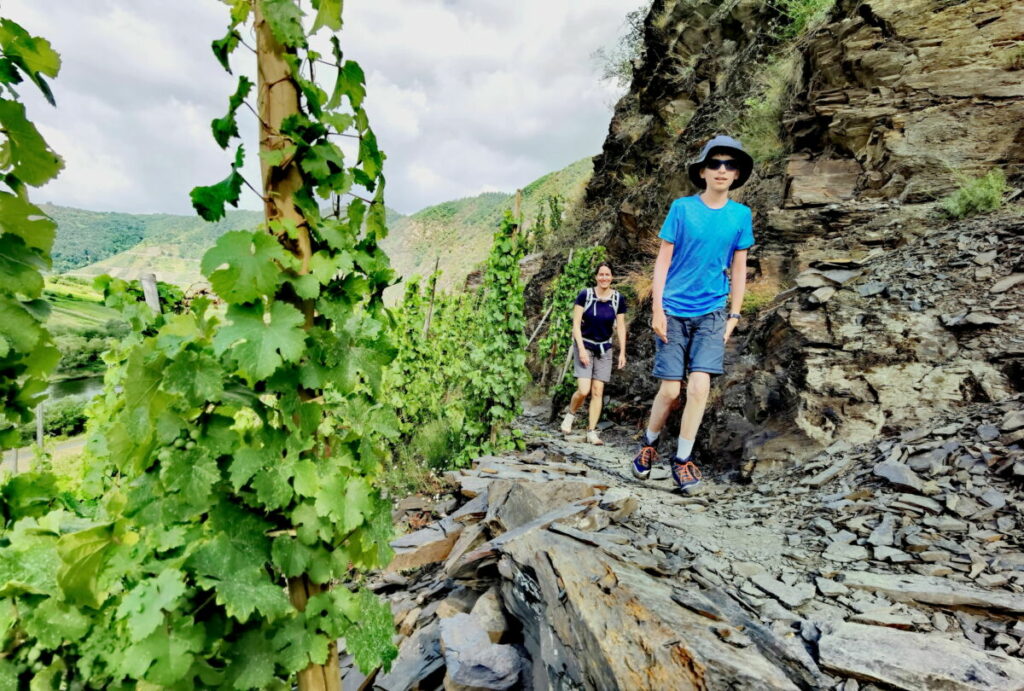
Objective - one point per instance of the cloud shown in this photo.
(464, 95)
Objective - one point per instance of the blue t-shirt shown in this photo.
(598, 320)
(704, 240)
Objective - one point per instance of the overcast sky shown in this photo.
(465, 96)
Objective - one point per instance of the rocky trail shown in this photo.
(898, 563)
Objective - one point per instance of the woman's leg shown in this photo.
(596, 400)
(580, 395)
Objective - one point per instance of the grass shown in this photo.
(757, 296)
(976, 195)
(1015, 58)
(802, 14)
(759, 127)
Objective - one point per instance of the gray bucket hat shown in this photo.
(722, 144)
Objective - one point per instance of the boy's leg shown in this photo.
(707, 353)
(667, 394)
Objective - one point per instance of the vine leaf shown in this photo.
(260, 342)
(209, 201)
(245, 265)
(328, 13)
(31, 159)
(285, 19)
(226, 127)
(143, 607)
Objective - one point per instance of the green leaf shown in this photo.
(358, 503)
(29, 156)
(260, 342)
(245, 265)
(370, 638)
(29, 565)
(298, 646)
(285, 20)
(32, 54)
(143, 606)
(209, 201)
(83, 554)
(328, 13)
(250, 591)
(224, 47)
(20, 217)
(224, 128)
(291, 556)
(54, 622)
(196, 376)
(252, 667)
(369, 155)
(307, 480)
(352, 83)
(20, 267)
(194, 475)
(166, 655)
(272, 488)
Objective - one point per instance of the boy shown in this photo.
(704, 242)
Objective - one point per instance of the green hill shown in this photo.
(456, 233)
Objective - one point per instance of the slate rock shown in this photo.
(845, 553)
(1013, 420)
(472, 659)
(791, 596)
(907, 660)
(899, 475)
(934, 591)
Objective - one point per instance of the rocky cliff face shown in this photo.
(887, 313)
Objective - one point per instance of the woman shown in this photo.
(597, 313)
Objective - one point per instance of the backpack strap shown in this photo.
(591, 299)
(615, 302)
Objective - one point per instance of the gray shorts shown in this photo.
(695, 344)
(600, 366)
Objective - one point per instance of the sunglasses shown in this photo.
(716, 163)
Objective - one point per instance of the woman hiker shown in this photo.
(598, 311)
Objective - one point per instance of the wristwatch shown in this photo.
(734, 315)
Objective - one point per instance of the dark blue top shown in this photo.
(598, 321)
(704, 241)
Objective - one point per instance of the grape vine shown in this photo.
(460, 380)
(27, 353)
(234, 460)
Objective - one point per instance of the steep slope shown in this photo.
(891, 103)
(457, 234)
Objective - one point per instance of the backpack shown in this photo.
(592, 300)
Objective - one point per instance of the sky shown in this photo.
(465, 96)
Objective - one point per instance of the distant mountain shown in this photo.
(457, 234)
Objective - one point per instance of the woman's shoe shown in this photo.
(567, 423)
(593, 438)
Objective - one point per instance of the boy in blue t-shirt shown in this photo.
(704, 243)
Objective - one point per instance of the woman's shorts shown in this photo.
(695, 344)
(600, 366)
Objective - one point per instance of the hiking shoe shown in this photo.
(593, 438)
(643, 461)
(685, 473)
(567, 423)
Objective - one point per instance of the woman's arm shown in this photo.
(577, 333)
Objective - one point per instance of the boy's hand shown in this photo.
(622, 359)
(729, 326)
(659, 322)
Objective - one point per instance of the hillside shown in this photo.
(458, 233)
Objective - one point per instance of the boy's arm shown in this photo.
(737, 286)
(658, 320)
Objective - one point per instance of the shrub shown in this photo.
(759, 127)
(976, 195)
(63, 417)
(801, 15)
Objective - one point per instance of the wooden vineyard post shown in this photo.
(278, 98)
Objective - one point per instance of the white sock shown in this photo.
(684, 449)
(652, 436)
